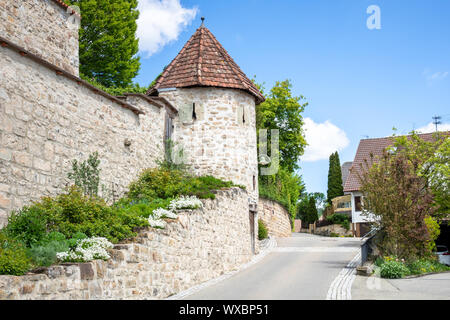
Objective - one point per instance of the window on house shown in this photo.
(243, 115)
(254, 183)
(358, 204)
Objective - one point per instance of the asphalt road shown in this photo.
(300, 267)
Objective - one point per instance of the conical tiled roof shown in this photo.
(204, 62)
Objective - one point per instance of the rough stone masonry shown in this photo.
(49, 116)
(200, 245)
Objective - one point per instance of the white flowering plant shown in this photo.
(185, 202)
(87, 250)
(163, 213)
(156, 222)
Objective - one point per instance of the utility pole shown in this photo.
(436, 121)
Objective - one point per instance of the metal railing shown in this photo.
(366, 244)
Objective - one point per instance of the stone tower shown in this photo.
(215, 126)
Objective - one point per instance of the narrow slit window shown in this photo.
(194, 114)
(243, 115)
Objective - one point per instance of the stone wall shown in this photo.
(333, 228)
(47, 120)
(43, 28)
(275, 216)
(200, 245)
(297, 225)
(221, 141)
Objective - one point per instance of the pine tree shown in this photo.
(335, 188)
(330, 177)
(108, 43)
(311, 212)
(338, 176)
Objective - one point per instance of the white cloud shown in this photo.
(431, 77)
(431, 127)
(160, 22)
(323, 139)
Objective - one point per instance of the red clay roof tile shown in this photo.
(204, 62)
(376, 147)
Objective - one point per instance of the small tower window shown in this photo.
(243, 115)
(254, 183)
(194, 114)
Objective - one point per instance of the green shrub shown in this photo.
(433, 231)
(44, 253)
(284, 187)
(164, 184)
(334, 234)
(30, 224)
(393, 269)
(379, 261)
(341, 219)
(426, 265)
(70, 213)
(13, 257)
(262, 230)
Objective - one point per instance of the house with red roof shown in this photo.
(352, 185)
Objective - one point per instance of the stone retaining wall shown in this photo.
(47, 120)
(333, 228)
(275, 216)
(200, 245)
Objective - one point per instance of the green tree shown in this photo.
(108, 43)
(335, 188)
(302, 207)
(283, 111)
(311, 211)
(400, 201)
(432, 162)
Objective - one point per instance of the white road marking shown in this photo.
(340, 288)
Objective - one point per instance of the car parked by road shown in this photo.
(443, 254)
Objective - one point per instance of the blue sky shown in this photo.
(358, 82)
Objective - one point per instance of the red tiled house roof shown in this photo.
(204, 62)
(376, 147)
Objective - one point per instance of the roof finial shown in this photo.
(203, 22)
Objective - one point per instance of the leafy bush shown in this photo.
(393, 269)
(284, 187)
(163, 183)
(433, 231)
(426, 266)
(44, 253)
(334, 235)
(142, 208)
(28, 225)
(13, 257)
(70, 213)
(341, 219)
(262, 230)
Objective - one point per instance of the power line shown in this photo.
(436, 121)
